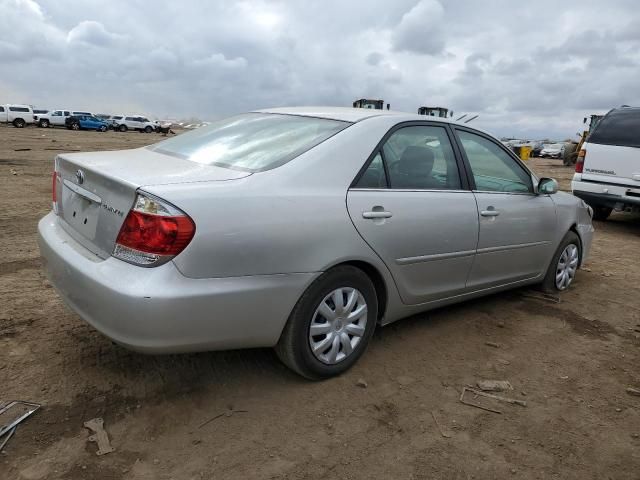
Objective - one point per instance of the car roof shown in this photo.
(350, 114)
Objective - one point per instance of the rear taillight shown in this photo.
(580, 160)
(153, 233)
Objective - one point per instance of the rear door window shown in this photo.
(619, 127)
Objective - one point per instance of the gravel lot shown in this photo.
(570, 361)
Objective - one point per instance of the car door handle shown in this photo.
(377, 214)
(489, 213)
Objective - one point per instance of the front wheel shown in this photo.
(564, 265)
(103, 128)
(75, 126)
(19, 123)
(331, 325)
(148, 129)
(122, 128)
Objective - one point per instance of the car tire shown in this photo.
(122, 128)
(75, 126)
(103, 128)
(339, 342)
(564, 265)
(19, 123)
(148, 129)
(601, 213)
(44, 123)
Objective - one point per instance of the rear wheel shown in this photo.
(564, 265)
(601, 213)
(19, 123)
(331, 325)
(122, 128)
(44, 123)
(75, 126)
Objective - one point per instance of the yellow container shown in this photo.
(525, 153)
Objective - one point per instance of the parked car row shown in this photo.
(22, 115)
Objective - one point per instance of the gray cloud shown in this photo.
(530, 70)
(421, 29)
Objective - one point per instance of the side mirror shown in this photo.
(547, 186)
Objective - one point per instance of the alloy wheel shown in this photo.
(338, 325)
(567, 266)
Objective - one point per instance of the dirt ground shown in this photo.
(243, 415)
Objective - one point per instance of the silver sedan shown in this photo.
(303, 229)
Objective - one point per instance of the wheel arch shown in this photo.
(376, 278)
(574, 229)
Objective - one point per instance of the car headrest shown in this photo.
(416, 161)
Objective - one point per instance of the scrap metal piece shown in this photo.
(471, 404)
(29, 409)
(100, 436)
(512, 401)
(7, 437)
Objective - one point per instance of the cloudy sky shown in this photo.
(533, 69)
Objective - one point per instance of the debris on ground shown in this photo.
(362, 383)
(492, 344)
(21, 149)
(227, 413)
(494, 385)
(100, 436)
(633, 391)
(445, 433)
(11, 415)
(479, 393)
(547, 297)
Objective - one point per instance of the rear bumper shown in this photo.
(158, 310)
(611, 196)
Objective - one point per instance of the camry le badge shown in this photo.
(80, 177)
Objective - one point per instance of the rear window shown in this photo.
(619, 127)
(252, 142)
(19, 109)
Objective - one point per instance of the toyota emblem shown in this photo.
(80, 177)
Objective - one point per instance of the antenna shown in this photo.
(472, 118)
(461, 117)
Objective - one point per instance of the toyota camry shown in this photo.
(301, 229)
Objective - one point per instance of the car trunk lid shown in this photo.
(96, 190)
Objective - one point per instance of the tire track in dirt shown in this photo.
(7, 268)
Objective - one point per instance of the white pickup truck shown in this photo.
(19, 115)
(56, 118)
(608, 168)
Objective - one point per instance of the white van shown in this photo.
(18, 115)
(608, 167)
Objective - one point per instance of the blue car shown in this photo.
(86, 122)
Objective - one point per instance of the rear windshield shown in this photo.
(252, 141)
(618, 127)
